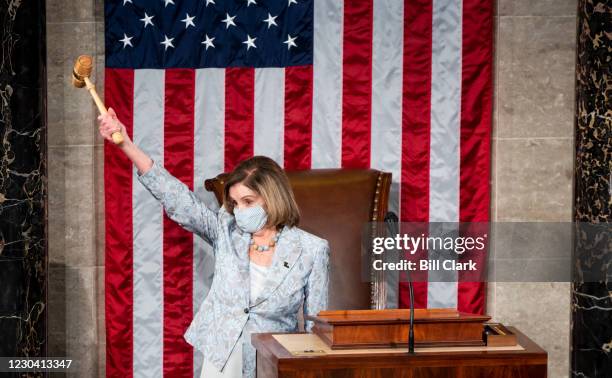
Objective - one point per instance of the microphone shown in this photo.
(391, 220)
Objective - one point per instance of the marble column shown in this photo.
(76, 188)
(533, 156)
(22, 179)
(592, 286)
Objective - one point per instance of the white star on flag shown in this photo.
(291, 2)
(208, 42)
(250, 42)
(228, 21)
(210, 2)
(249, 2)
(167, 42)
(126, 40)
(147, 20)
(270, 20)
(127, 1)
(290, 42)
(166, 2)
(188, 21)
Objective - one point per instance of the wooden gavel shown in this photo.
(80, 78)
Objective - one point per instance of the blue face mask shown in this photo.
(250, 219)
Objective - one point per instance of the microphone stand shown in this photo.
(392, 220)
(411, 327)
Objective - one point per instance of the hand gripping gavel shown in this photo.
(80, 78)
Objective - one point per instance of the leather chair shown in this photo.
(336, 204)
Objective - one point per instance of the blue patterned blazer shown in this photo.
(299, 272)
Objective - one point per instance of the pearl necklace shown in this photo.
(263, 248)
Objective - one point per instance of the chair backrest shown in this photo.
(336, 204)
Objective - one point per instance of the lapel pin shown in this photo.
(286, 264)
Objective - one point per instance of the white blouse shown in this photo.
(258, 278)
(233, 367)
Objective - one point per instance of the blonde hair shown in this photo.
(266, 178)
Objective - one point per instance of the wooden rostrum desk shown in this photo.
(301, 355)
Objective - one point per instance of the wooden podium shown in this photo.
(371, 343)
(353, 329)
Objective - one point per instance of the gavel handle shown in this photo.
(117, 137)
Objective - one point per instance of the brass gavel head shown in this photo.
(82, 69)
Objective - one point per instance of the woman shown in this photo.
(265, 266)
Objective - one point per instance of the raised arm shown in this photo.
(180, 203)
(109, 123)
(316, 291)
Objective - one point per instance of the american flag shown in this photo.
(400, 86)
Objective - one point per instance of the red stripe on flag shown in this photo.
(178, 243)
(416, 109)
(119, 90)
(298, 117)
(239, 115)
(476, 110)
(357, 84)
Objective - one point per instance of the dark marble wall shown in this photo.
(22, 178)
(592, 286)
